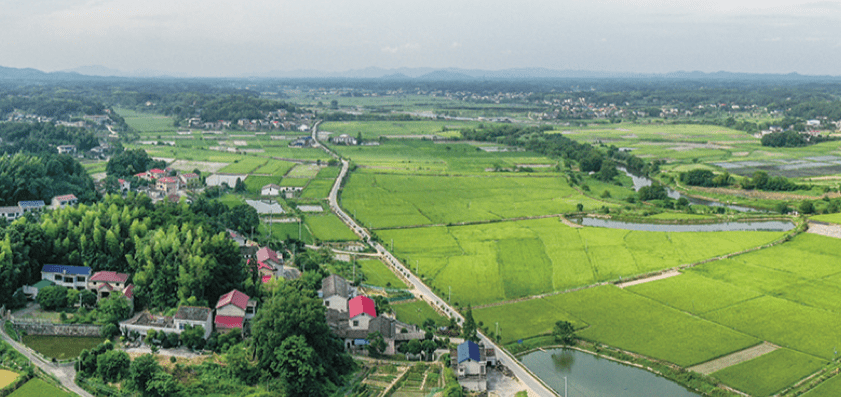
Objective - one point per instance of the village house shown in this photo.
(66, 149)
(124, 185)
(190, 180)
(11, 213)
(104, 283)
(194, 316)
(270, 190)
(168, 185)
(361, 310)
(335, 293)
(233, 309)
(75, 277)
(355, 325)
(471, 367)
(155, 173)
(302, 142)
(34, 205)
(344, 139)
(63, 201)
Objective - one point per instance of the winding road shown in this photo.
(536, 386)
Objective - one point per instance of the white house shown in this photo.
(194, 316)
(471, 367)
(270, 190)
(75, 277)
(335, 293)
(233, 309)
(361, 310)
(11, 213)
(63, 201)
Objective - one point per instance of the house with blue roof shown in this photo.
(67, 276)
(34, 205)
(471, 366)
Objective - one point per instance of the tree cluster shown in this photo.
(130, 162)
(705, 178)
(28, 177)
(761, 181)
(38, 138)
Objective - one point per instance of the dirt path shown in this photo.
(65, 374)
(824, 229)
(569, 223)
(735, 358)
(396, 379)
(670, 273)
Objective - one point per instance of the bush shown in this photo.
(52, 298)
(109, 331)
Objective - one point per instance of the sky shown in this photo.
(248, 37)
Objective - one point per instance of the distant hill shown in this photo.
(445, 75)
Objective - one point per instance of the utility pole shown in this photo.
(392, 245)
(565, 387)
(417, 265)
(497, 332)
(450, 296)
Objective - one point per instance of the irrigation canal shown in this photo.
(755, 226)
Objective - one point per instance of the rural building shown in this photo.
(75, 277)
(66, 149)
(344, 139)
(266, 208)
(104, 283)
(361, 310)
(361, 319)
(224, 179)
(233, 309)
(34, 205)
(190, 180)
(270, 257)
(168, 185)
(194, 316)
(270, 190)
(124, 185)
(155, 173)
(31, 292)
(471, 367)
(63, 201)
(11, 213)
(335, 293)
(303, 142)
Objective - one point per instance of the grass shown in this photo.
(231, 200)
(328, 227)
(275, 168)
(769, 373)
(147, 123)
(60, 347)
(255, 183)
(554, 256)
(377, 273)
(306, 171)
(7, 377)
(375, 129)
(38, 388)
(284, 231)
(525, 319)
(294, 182)
(330, 173)
(245, 165)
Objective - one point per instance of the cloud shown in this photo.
(408, 47)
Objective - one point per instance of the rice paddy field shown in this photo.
(829, 388)
(289, 230)
(317, 189)
(374, 129)
(378, 274)
(38, 388)
(770, 373)
(416, 312)
(328, 227)
(387, 200)
(147, 123)
(510, 260)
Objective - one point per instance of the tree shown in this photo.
(88, 298)
(239, 186)
(428, 346)
(193, 336)
(114, 308)
(563, 332)
(52, 297)
(162, 384)
(806, 207)
(109, 330)
(141, 371)
(292, 341)
(469, 329)
(112, 365)
(376, 344)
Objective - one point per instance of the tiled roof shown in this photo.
(266, 253)
(66, 197)
(11, 210)
(468, 350)
(157, 171)
(167, 179)
(228, 322)
(234, 297)
(110, 277)
(42, 284)
(31, 204)
(192, 313)
(266, 279)
(335, 285)
(263, 265)
(75, 270)
(189, 175)
(128, 292)
(361, 304)
(271, 186)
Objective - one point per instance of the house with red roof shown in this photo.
(361, 310)
(104, 283)
(190, 180)
(143, 175)
(124, 185)
(155, 173)
(233, 309)
(168, 185)
(64, 201)
(269, 257)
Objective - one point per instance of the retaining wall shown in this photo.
(57, 329)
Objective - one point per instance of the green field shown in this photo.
(246, 165)
(514, 259)
(372, 130)
(328, 227)
(707, 294)
(285, 231)
(306, 171)
(378, 274)
(294, 182)
(318, 189)
(769, 373)
(275, 168)
(38, 388)
(417, 312)
(385, 201)
(330, 173)
(829, 388)
(147, 123)
(60, 347)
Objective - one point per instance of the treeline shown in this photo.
(235, 107)
(342, 116)
(130, 162)
(705, 178)
(589, 157)
(792, 139)
(49, 102)
(761, 181)
(26, 177)
(43, 137)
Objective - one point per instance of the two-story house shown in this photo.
(233, 309)
(75, 277)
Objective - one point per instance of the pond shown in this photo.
(764, 226)
(640, 182)
(591, 376)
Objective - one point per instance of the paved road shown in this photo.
(529, 379)
(65, 374)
